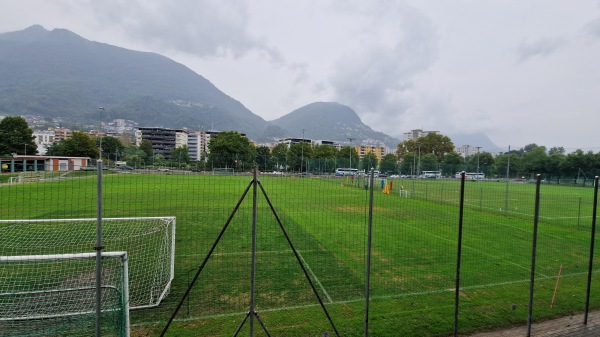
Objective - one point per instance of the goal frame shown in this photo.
(171, 272)
(124, 294)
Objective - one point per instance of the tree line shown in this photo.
(230, 149)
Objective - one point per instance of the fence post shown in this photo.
(99, 249)
(368, 262)
(533, 253)
(459, 251)
(592, 240)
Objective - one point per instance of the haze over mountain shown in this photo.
(337, 121)
(60, 74)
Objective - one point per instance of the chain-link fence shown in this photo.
(295, 249)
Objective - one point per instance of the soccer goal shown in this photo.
(55, 295)
(149, 241)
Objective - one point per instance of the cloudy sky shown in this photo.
(519, 71)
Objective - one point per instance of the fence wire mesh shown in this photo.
(414, 248)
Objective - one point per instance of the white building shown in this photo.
(416, 133)
(467, 150)
(43, 140)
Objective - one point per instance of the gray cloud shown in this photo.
(375, 78)
(204, 28)
(541, 47)
(593, 28)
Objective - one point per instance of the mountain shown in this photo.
(60, 74)
(330, 121)
(476, 139)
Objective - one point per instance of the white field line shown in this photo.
(313, 275)
(356, 300)
(315, 278)
(248, 253)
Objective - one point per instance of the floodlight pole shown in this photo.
(351, 139)
(302, 150)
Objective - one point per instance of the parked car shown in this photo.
(124, 167)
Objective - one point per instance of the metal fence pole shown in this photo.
(99, 249)
(533, 253)
(592, 240)
(253, 266)
(369, 246)
(459, 251)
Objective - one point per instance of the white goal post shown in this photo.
(55, 295)
(149, 241)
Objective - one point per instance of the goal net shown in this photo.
(149, 241)
(55, 295)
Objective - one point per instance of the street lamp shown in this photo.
(351, 139)
(302, 151)
(419, 165)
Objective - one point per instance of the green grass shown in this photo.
(413, 257)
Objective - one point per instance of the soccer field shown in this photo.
(414, 250)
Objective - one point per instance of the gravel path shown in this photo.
(568, 326)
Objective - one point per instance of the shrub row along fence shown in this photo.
(300, 255)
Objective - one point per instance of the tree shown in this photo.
(536, 160)
(556, 150)
(146, 146)
(180, 156)
(344, 155)
(408, 164)
(16, 137)
(435, 143)
(453, 162)
(263, 157)
(279, 155)
(79, 145)
(324, 151)
(297, 153)
(389, 164)
(429, 162)
(231, 149)
(112, 148)
(369, 161)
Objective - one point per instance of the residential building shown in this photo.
(163, 140)
(416, 133)
(363, 150)
(467, 150)
(43, 140)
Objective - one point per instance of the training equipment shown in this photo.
(55, 295)
(149, 241)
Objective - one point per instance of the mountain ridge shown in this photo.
(57, 73)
